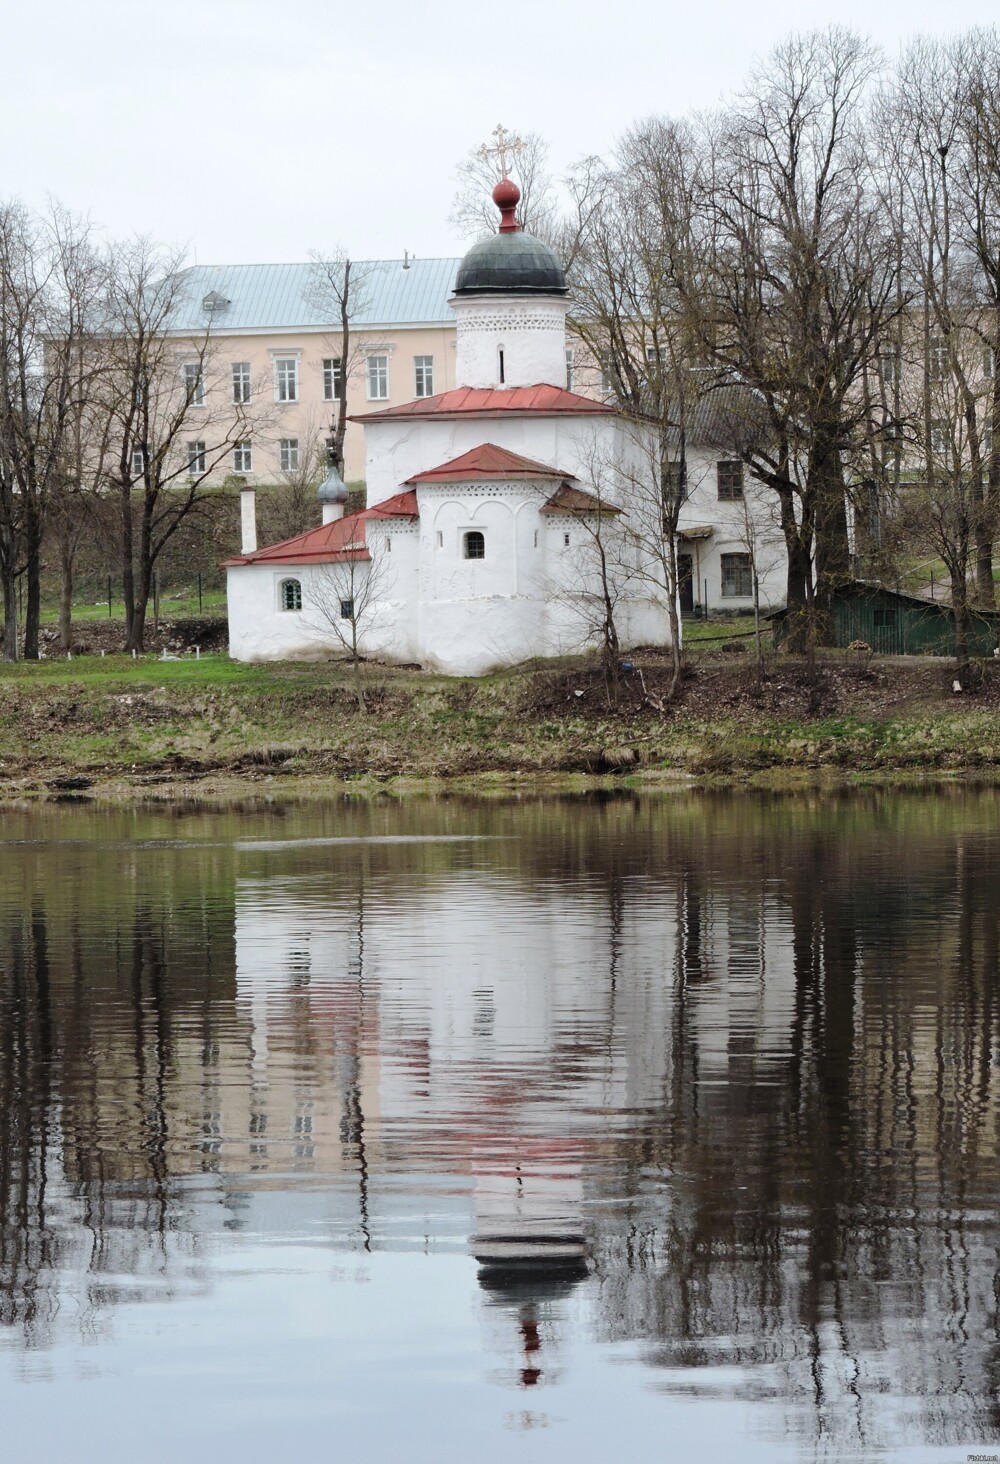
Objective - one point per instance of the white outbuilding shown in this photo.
(490, 507)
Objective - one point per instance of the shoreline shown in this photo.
(116, 731)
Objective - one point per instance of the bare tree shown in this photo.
(172, 412)
(49, 286)
(340, 289)
(472, 212)
(347, 592)
(292, 507)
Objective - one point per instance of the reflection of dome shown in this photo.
(510, 263)
(544, 1278)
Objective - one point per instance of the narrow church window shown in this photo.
(440, 539)
(291, 594)
(566, 540)
(388, 544)
(536, 539)
(501, 366)
(473, 545)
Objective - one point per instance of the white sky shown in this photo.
(256, 130)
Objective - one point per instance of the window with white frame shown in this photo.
(939, 435)
(656, 355)
(423, 376)
(986, 442)
(243, 457)
(241, 381)
(290, 594)
(288, 454)
(196, 458)
(378, 378)
(737, 575)
(286, 378)
(569, 368)
(194, 384)
(989, 362)
(138, 462)
(331, 378)
(937, 358)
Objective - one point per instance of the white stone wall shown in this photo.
(530, 333)
(261, 630)
(735, 527)
(399, 449)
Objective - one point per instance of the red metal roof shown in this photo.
(488, 401)
(567, 499)
(487, 461)
(332, 543)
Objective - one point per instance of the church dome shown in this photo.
(510, 262)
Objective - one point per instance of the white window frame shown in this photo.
(939, 435)
(746, 567)
(241, 382)
(286, 383)
(138, 462)
(243, 456)
(423, 376)
(570, 366)
(377, 375)
(331, 377)
(288, 454)
(194, 383)
(196, 456)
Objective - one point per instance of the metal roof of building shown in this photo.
(270, 297)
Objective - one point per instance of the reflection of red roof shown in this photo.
(574, 500)
(489, 401)
(487, 461)
(334, 543)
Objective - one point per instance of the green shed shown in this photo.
(896, 624)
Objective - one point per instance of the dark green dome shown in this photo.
(510, 264)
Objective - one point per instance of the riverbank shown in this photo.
(111, 727)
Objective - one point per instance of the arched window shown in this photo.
(291, 595)
(473, 545)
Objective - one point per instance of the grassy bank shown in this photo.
(111, 726)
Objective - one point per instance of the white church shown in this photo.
(478, 548)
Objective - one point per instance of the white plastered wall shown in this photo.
(735, 527)
(530, 333)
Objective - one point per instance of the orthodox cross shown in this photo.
(504, 144)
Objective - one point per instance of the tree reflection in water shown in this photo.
(727, 1068)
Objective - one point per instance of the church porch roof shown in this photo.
(488, 462)
(334, 543)
(567, 499)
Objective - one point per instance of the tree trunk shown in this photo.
(960, 605)
(799, 576)
(9, 579)
(33, 578)
(128, 571)
(833, 558)
(66, 604)
(142, 591)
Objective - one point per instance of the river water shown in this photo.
(593, 1129)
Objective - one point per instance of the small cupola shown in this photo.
(333, 494)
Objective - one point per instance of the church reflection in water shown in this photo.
(714, 1078)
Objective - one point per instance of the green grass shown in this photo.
(696, 632)
(171, 607)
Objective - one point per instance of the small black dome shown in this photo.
(514, 263)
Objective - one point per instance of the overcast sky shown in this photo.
(256, 130)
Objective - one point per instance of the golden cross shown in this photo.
(504, 144)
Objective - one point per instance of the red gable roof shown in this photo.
(488, 401)
(487, 461)
(333, 543)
